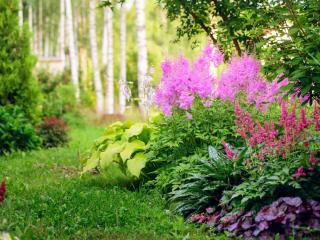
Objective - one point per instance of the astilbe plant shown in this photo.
(182, 82)
(277, 139)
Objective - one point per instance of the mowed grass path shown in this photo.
(47, 199)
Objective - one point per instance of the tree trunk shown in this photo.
(20, 14)
(110, 83)
(94, 57)
(72, 50)
(30, 17)
(40, 29)
(142, 50)
(46, 43)
(105, 37)
(123, 70)
(62, 32)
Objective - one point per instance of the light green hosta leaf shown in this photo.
(134, 130)
(136, 164)
(92, 162)
(108, 155)
(131, 148)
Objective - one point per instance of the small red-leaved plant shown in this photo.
(3, 190)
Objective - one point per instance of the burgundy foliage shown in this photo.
(3, 190)
(286, 216)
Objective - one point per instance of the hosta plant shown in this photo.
(123, 144)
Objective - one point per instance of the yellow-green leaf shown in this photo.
(132, 147)
(136, 164)
(92, 162)
(108, 156)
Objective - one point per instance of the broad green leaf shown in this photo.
(134, 130)
(92, 162)
(136, 164)
(108, 156)
(213, 154)
(131, 148)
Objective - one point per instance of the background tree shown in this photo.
(95, 58)
(17, 84)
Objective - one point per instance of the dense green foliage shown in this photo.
(179, 140)
(17, 85)
(58, 92)
(122, 145)
(16, 132)
(53, 132)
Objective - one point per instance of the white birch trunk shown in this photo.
(123, 70)
(40, 29)
(110, 83)
(20, 14)
(142, 49)
(94, 57)
(105, 37)
(62, 32)
(30, 18)
(72, 50)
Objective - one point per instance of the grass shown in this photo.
(47, 199)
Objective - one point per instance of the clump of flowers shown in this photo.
(183, 81)
(267, 138)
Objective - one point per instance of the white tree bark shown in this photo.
(72, 50)
(123, 70)
(20, 14)
(30, 17)
(110, 82)
(94, 57)
(62, 32)
(40, 29)
(105, 37)
(142, 49)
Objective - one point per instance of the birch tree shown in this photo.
(105, 37)
(62, 31)
(20, 13)
(72, 49)
(109, 74)
(142, 49)
(123, 70)
(94, 57)
(30, 17)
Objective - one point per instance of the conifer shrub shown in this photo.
(18, 86)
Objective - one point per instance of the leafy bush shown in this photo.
(53, 132)
(16, 131)
(123, 145)
(3, 191)
(17, 85)
(287, 216)
(178, 138)
(204, 184)
(59, 94)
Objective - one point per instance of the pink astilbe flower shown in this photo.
(316, 116)
(229, 152)
(300, 173)
(313, 160)
(181, 81)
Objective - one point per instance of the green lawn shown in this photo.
(47, 199)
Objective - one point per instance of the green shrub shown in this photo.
(59, 97)
(177, 138)
(17, 85)
(16, 131)
(122, 145)
(53, 132)
(205, 182)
